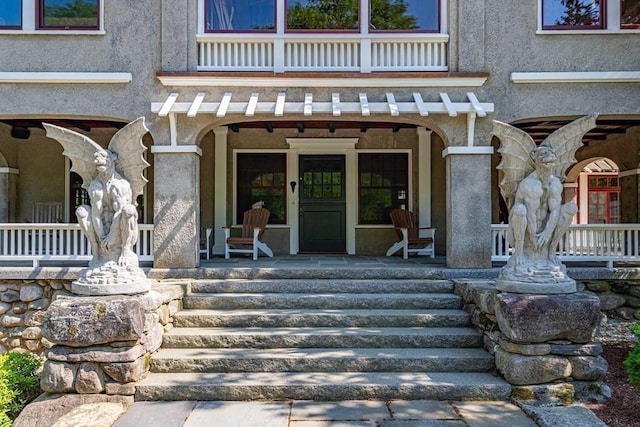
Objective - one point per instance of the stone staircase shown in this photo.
(321, 339)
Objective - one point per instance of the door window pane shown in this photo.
(322, 14)
(82, 14)
(11, 14)
(382, 185)
(240, 15)
(571, 14)
(262, 177)
(404, 15)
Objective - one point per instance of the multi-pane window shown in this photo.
(590, 14)
(262, 177)
(323, 15)
(68, 14)
(240, 15)
(604, 199)
(54, 15)
(383, 184)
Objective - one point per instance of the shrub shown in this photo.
(632, 362)
(19, 384)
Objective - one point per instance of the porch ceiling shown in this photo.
(540, 129)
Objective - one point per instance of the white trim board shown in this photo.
(577, 77)
(64, 77)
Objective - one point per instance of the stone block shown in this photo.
(633, 301)
(4, 307)
(592, 392)
(588, 368)
(86, 321)
(32, 333)
(152, 340)
(10, 296)
(610, 301)
(12, 320)
(89, 379)
(545, 394)
(625, 313)
(525, 349)
(525, 318)
(634, 290)
(57, 377)
(94, 354)
(118, 389)
(127, 372)
(570, 349)
(598, 286)
(524, 370)
(30, 293)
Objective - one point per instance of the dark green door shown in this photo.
(322, 204)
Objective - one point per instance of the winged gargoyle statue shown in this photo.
(114, 179)
(532, 185)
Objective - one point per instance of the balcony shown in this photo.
(322, 53)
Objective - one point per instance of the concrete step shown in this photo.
(320, 318)
(322, 286)
(321, 301)
(322, 386)
(374, 337)
(322, 360)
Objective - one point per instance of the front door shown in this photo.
(322, 203)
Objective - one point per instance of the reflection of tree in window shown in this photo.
(391, 15)
(71, 13)
(322, 14)
(383, 185)
(579, 13)
(262, 177)
(630, 13)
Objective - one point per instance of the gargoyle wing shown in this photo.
(566, 140)
(127, 144)
(79, 148)
(515, 146)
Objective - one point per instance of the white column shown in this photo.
(219, 188)
(424, 177)
(351, 196)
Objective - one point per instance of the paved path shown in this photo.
(300, 413)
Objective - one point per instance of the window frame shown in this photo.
(237, 211)
(320, 31)
(385, 153)
(31, 19)
(220, 31)
(19, 26)
(40, 20)
(610, 12)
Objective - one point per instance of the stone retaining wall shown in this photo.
(544, 344)
(23, 303)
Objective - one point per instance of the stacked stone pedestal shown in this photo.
(546, 348)
(102, 344)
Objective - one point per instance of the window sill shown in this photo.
(53, 32)
(598, 32)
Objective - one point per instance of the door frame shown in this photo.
(320, 146)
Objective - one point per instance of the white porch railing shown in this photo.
(37, 242)
(326, 52)
(583, 242)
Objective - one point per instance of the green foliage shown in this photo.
(578, 12)
(19, 384)
(632, 362)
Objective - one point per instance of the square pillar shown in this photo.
(176, 209)
(468, 175)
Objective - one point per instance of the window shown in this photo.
(383, 185)
(612, 15)
(240, 15)
(262, 177)
(68, 14)
(630, 14)
(571, 14)
(51, 15)
(322, 15)
(604, 199)
(11, 14)
(404, 15)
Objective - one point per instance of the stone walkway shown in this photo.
(300, 413)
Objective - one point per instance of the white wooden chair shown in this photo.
(205, 242)
(47, 212)
(411, 238)
(254, 223)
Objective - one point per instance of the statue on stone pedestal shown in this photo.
(114, 179)
(532, 185)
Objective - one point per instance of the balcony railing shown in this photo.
(583, 242)
(328, 52)
(58, 242)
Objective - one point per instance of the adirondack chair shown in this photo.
(254, 223)
(411, 238)
(47, 212)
